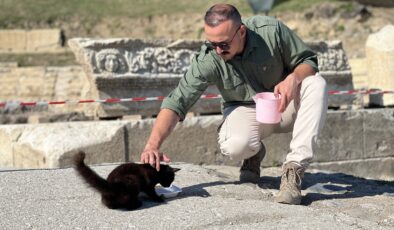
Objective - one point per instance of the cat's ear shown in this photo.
(175, 169)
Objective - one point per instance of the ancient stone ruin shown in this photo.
(128, 68)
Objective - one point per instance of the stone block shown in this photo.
(194, 140)
(378, 132)
(137, 133)
(277, 147)
(5, 65)
(52, 145)
(380, 59)
(125, 68)
(12, 41)
(43, 40)
(342, 137)
(8, 136)
(45, 84)
(374, 168)
(28, 41)
(334, 67)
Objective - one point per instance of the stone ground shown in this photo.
(211, 199)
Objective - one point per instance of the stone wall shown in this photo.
(126, 68)
(353, 142)
(43, 84)
(29, 41)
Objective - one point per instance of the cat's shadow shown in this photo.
(196, 190)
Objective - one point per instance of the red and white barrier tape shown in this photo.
(160, 98)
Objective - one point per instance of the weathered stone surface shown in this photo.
(334, 67)
(124, 68)
(12, 40)
(44, 84)
(380, 59)
(378, 130)
(22, 41)
(354, 136)
(378, 168)
(8, 136)
(51, 145)
(211, 198)
(8, 65)
(342, 137)
(360, 80)
(348, 138)
(196, 133)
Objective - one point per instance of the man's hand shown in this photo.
(153, 157)
(165, 123)
(287, 90)
(288, 87)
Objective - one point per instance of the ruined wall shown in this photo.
(42, 84)
(123, 68)
(29, 41)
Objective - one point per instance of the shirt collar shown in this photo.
(251, 43)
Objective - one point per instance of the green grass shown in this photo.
(296, 5)
(17, 12)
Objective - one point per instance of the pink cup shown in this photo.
(267, 108)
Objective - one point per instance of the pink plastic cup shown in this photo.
(267, 108)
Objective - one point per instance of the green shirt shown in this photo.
(271, 52)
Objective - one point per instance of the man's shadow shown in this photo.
(326, 186)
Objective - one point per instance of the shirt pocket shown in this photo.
(234, 88)
(267, 72)
(232, 81)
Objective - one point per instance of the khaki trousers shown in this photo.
(240, 135)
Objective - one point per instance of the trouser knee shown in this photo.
(317, 84)
(239, 149)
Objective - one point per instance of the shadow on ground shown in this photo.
(316, 187)
(325, 186)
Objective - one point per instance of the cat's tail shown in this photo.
(91, 177)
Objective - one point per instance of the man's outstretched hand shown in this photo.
(153, 157)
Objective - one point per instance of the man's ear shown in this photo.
(242, 30)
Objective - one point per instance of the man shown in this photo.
(259, 54)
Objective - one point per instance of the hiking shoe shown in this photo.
(290, 185)
(250, 169)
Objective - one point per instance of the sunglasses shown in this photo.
(225, 46)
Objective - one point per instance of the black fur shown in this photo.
(125, 182)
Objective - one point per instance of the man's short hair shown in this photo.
(221, 12)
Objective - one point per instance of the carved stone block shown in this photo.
(128, 68)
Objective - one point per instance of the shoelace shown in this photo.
(291, 176)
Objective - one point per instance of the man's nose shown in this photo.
(218, 50)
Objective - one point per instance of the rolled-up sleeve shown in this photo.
(190, 88)
(294, 50)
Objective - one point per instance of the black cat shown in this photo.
(125, 182)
